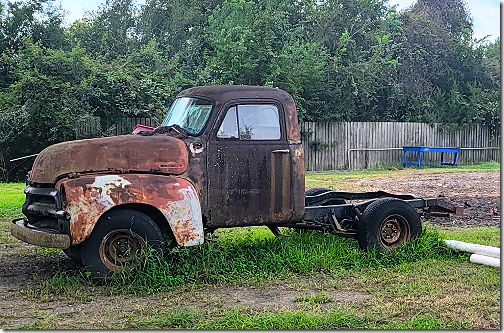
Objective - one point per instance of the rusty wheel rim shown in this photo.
(120, 248)
(394, 231)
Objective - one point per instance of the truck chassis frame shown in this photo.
(329, 211)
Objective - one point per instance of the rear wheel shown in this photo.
(119, 240)
(387, 224)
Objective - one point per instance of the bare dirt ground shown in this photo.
(22, 299)
(478, 192)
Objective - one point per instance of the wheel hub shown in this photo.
(119, 248)
(394, 231)
(391, 232)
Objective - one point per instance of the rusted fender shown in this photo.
(88, 197)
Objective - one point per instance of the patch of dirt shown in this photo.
(478, 192)
(277, 297)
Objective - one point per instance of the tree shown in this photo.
(110, 32)
(359, 40)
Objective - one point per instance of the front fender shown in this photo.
(86, 199)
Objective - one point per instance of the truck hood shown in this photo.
(123, 153)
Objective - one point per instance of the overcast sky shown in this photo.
(485, 13)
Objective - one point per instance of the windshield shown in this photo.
(189, 113)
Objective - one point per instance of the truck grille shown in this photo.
(43, 209)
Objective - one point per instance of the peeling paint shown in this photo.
(194, 150)
(88, 197)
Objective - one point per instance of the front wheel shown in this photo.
(74, 253)
(119, 240)
(387, 224)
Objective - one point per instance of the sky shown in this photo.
(485, 13)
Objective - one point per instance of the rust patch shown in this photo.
(88, 197)
(294, 135)
(118, 154)
(298, 181)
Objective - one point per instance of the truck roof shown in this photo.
(224, 93)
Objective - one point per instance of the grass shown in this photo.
(236, 319)
(255, 257)
(11, 200)
(423, 285)
(399, 285)
(480, 235)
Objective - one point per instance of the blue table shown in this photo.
(422, 149)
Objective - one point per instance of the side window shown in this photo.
(229, 126)
(258, 122)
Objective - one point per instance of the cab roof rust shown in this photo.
(222, 94)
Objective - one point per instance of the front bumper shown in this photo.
(22, 230)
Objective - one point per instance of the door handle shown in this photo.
(283, 151)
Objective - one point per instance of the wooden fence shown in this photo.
(91, 127)
(333, 146)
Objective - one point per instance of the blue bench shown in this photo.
(422, 149)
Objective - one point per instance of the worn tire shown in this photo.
(74, 253)
(320, 190)
(387, 224)
(316, 191)
(119, 240)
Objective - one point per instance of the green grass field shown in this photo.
(423, 285)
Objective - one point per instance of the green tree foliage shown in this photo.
(359, 77)
(264, 43)
(48, 97)
(443, 72)
(342, 60)
(110, 32)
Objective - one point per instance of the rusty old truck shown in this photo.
(225, 156)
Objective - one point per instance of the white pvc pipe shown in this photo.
(489, 251)
(480, 259)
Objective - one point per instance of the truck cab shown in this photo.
(246, 158)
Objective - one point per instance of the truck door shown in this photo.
(249, 173)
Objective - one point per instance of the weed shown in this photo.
(67, 285)
(314, 299)
(318, 145)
